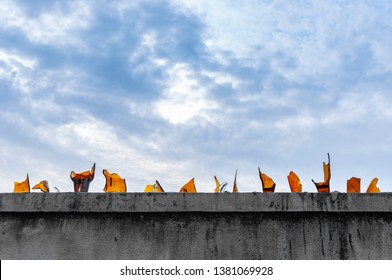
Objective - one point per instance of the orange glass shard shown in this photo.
(154, 188)
(43, 186)
(354, 185)
(324, 186)
(158, 187)
(22, 187)
(267, 183)
(235, 189)
(217, 185)
(114, 183)
(82, 180)
(294, 182)
(373, 186)
(189, 187)
(149, 188)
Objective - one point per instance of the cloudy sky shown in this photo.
(171, 90)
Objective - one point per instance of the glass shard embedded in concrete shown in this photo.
(22, 187)
(294, 182)
(324, 186)
(43, 186)
(267, 182)
(189, 187)
(82, 180)
(114, 183)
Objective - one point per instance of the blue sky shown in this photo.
(171, 90)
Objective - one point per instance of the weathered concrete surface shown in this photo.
(195, 226)
(198, 202)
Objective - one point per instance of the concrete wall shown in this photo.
(195, 226)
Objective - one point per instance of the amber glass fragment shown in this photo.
(154, 188)
(267, 183)
(354, 185)
(235, 189)
(114, 183)
(43, 186)
(217, 185)
(324, 186)
(82, 180)
(189, 187)
(294, 182)
(149, 188)
(373, 186)
(23, 187)
(158, 187)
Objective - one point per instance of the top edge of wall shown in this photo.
(196, 202)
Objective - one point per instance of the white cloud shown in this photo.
(17, 68)
(146, 50)
(57, 26)
(359, 108)
(92, 139)
(37, 89)
(17, 161)
(184, 97)
(123, 7)
(223, 78)
(14, 61)
(277, 82)
(298, 40)
(298, 122)
(237, 27)
(146, 46)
